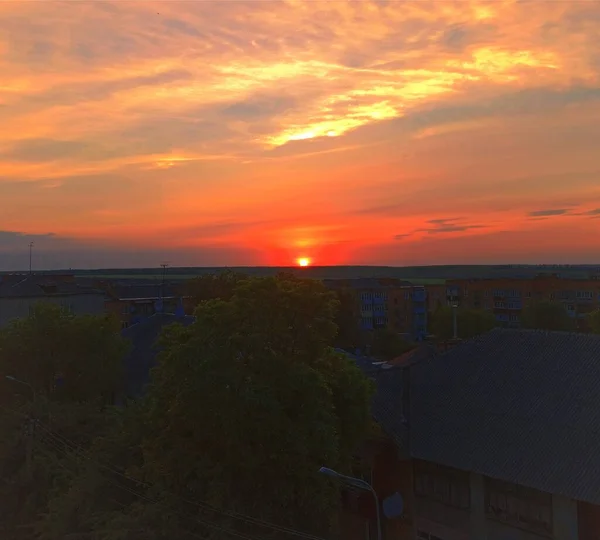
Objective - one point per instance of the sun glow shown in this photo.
(303, 261)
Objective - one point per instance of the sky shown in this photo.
(213, 133)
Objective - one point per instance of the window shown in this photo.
(124, 325)
(499, 305)
(486, 293)
(528, 294)
(422, 535)
(442, 484)
(585, 294)
(520, 506)
(407, 295)
(570, 307)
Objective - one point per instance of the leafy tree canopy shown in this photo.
(594, 321)
(470, 322)
(546, 315)
(67, 369)
(244, 407)
(212, 286)
(67, 357)
(388, 344)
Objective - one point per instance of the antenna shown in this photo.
(30, 251)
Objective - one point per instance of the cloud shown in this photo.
(122, 121)
(549, 212)
(12, 239)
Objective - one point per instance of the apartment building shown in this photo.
(494, 440)
(20, 292)
(507, 297)
(387, 303)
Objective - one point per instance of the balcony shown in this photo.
(379, 301)
(419, 309)
(420, 296)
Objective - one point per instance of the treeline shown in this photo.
(244, 407)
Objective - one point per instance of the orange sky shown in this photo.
(234, 133)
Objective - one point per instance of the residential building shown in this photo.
(20, 292)
(507, 297)
(387, 303)
(134, 302)
(496, 439)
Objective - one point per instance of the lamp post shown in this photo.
(360, 484)
(19, 381)
(454, 321)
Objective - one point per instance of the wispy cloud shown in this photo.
(549, 212)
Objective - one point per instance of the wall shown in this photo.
(11, 308)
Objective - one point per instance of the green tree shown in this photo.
(546, 315)
(212, 286)
(594, 321)
(470, 322)
(68, 368)
(388, 344)
(347, 319)
(64, 356)
(244, 407)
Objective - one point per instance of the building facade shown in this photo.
(19, 293)
(507, 298)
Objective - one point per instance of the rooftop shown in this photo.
(41, 285)
(517, 405)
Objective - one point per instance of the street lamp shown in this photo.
(19, 381)
(357, 483)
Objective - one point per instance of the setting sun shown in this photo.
(303, 261)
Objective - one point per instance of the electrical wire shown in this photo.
(200, 504)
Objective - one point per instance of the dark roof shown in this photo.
(142, 356)
(517, 405)
(142, 291)
(34, 285)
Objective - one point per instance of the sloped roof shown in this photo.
(517, 405)
(139, 291)
(40, 285)
(142, 356)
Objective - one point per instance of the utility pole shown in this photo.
(164, 266)
(30, 251)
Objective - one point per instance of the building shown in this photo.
(134, 302)
(496, 439)
(388, 303)
(20, 292)
(507, 297)
(141, 358)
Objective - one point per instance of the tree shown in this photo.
(470, 322)
(67, 369)
(63, 356)
(244, 407)
(212, 286)
(545, 315)
(594, 321)
(388, 344)
(347, 319)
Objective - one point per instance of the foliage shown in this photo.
(388, 344)
(244, 407)
(594, 321)
(71, 358)
(546, 315)
(347, 319)
(37, 413)
(470, 322)
(212, 286)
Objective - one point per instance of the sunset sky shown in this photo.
(256, 133)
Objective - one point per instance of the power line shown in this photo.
(200, 504)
